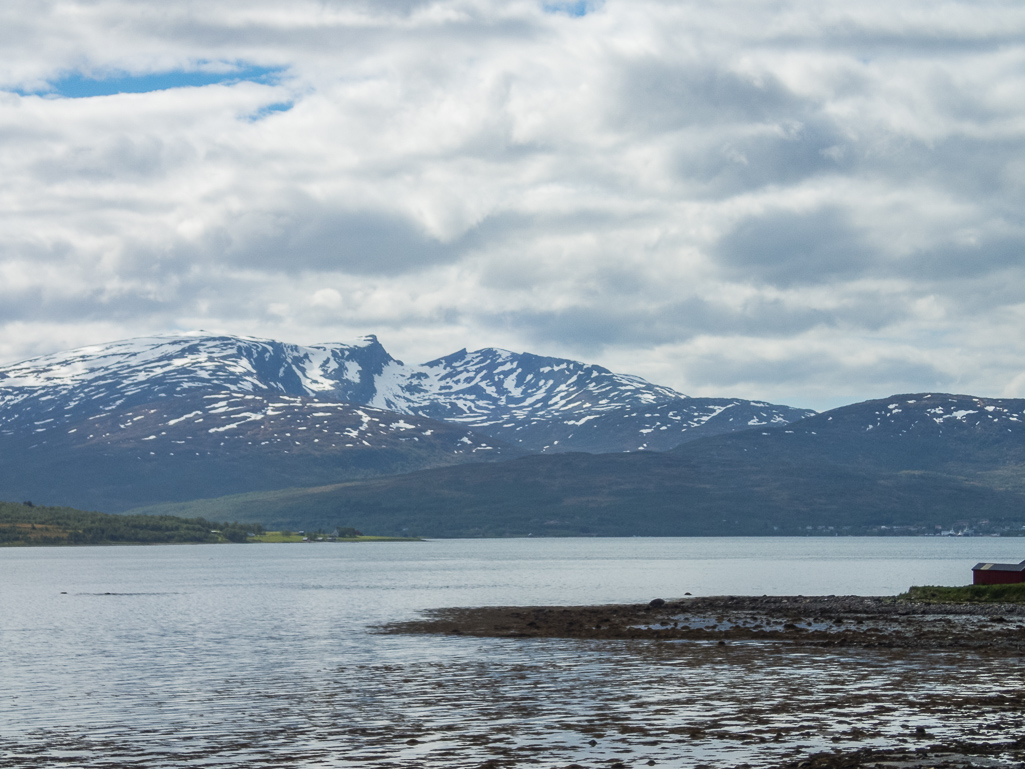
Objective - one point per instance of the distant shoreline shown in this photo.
(254, 541)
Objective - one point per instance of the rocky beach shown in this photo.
(816, 621)
(833, 682)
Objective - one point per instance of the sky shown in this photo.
(811, 203)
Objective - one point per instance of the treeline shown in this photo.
(27, 524)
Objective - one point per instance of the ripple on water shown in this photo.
(539, 702)
(258, 657)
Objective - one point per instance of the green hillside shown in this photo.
(646, 494)
(27, 524)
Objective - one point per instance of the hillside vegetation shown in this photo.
(1014, 593)
(27, 524)
(628, 495)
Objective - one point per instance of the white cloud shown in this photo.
(813, 203)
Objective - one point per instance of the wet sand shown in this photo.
(960, 720)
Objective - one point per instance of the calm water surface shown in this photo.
(260, 655)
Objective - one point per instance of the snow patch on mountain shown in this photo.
(920, 415)
(539, 403)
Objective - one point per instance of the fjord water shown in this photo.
(263, 655)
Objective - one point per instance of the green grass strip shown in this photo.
(966, 594)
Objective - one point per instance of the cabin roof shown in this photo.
(999, 566)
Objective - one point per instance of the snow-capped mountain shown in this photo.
(931, 417)
(179, 417)
(184, 417)
(121, 374)
(534, 402)
(934, 432)
(928, 414)
(552, 404)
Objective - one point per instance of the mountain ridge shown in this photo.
(538, 403)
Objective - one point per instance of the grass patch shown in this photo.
(32, 534)
(966, 594)
(288, 536)
(276, 536)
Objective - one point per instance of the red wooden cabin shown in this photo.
(998, 573)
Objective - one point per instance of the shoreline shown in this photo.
(860, 621)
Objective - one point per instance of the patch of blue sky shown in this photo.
(75, 85)
(577, 8)
(270, 109)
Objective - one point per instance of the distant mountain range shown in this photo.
(485, 443)
(910, 464)
(181, 417)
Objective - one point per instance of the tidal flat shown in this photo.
(779, 681)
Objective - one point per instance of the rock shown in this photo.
(656, 602)
(592, 743)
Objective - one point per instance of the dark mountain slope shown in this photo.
(928, 461)
(193, 446)
(932, 432)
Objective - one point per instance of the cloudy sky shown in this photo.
(807, 202)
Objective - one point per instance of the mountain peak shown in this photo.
(538, 403)
(183, 412)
